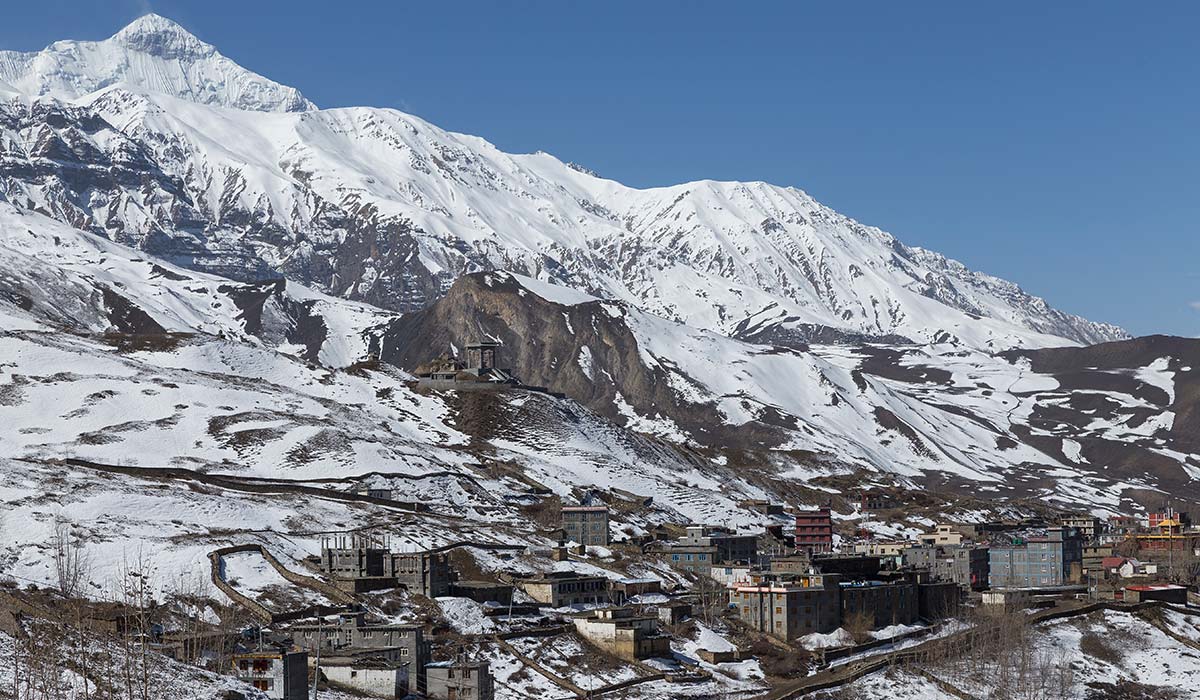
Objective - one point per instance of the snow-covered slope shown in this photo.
(1087, 427)
(152, 53)
(380, 206)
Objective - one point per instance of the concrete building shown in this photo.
(1088, 526)
(788, 606)
(371, 675)
(361, 563)
(1055, 559)
(281, 674)
(1001, 601)
(942, 534)
(449, 680)
(351, 637)
(814, 530)
(938, 600)
(674, 612)
(559, 589)
(1165, 592)
(623, 633)
(964, 565)
(623, 589)
(795, 564)
(586, 525)
(1093, 558)
(876, 500)
(728, 574)
(702, 546)
(480, 372)
(482, 591)
(884, 602)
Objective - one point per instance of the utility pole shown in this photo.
(320, 642)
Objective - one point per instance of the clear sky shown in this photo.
(1053, 144)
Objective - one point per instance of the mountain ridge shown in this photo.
(378, 206)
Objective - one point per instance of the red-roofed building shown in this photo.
(1166, 592)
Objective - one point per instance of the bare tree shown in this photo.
(71, 562)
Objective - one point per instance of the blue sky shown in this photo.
(1053, 144)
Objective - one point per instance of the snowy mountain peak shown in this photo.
(158, 36)
(152, 54)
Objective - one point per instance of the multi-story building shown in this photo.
(814, 530)
(1055, 559)
(360, 564)
(964, 565)
(451, 680)
(623, 633)
(371, 673)
(788, 606)
(1178, 520)
(559, 589)
(884, 602)
(703, 546)
(1087, 525)
(942, 534)
(587, 525)
(280, 673)
(876, 500)
(1093, 558)
(350, 636)
(728, 574)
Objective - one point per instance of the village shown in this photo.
(604, 597)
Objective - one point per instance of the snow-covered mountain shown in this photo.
(249, 181)
(154, 54)
(730, 318)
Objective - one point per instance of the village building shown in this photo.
(559, 589)
(964, 565)
(587, 525)
(1172, 518)
(480, 371)
(703, 546)
(369, 491)
(788, 606)
(371, 674)
(1055, 559)
(623, 589)
(350, 637)
(942, 534)
(938, 600)
(883, 602)
(814, 530)
(483, 591)
(1005, 600)
(457, 680)
(1093, 558)
(675, 612)
(623, 633)
(876, 500)
(762, 506)
(360, 563)
(728, 574)
(795, 564)
(890, 549)
(281, 674)
(849, 565)
(1087, 525)
(1165, 592)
